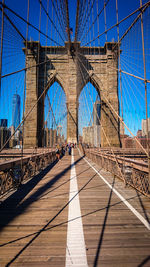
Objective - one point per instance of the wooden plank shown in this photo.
(112, 232)
(34, 224)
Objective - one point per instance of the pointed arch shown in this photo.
(56, 78)
(94, 80)
(55, 113)
(89, 113)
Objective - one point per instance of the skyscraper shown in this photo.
(96, 113)
(144, 127)
(16, 111)
(3, 122)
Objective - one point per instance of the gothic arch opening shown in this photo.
(93, 80)
(55, 115)
(55, 79)
(89, 116)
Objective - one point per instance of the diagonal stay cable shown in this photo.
(95, 20)
(81, 11)
(60, 23)
(88, 15)
(125, 72)
(83, 17)
(113, 26)
(13, 25)
(31, 25)
(62, 18)
(77, 21)
(50, 20)
(115, 113)
(51, 105)
(44, 228)
(67, 17)
(132, 24)
(30, 67)
(27, 115)
(102, 127)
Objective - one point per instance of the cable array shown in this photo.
(46, 24)
(19, 28)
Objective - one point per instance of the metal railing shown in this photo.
(133, 172)
(13, 172)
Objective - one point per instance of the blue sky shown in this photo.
(131, 57)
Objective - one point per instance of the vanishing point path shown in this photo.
(74, 214)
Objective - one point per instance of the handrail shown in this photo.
(133, 172)
(13, 172)
(142, 166)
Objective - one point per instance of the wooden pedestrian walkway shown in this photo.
(75, 214)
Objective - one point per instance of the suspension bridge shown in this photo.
(75, 74)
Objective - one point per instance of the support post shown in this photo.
(30, 125)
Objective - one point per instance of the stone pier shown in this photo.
(72, 67)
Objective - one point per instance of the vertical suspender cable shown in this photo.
(40, 20)
(105, 20)
(45, 139)
(120, 81)
(77, 21)
(145, 81)
(38, 69)
(51, 118)
(26, 44)
(97, 22)
(93, 22)
(68, 27)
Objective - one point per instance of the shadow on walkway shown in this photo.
(103, 228)
(146, 260)
(142, 206)
(10, 208)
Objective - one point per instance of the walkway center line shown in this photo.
(75, 250)
(134, 211)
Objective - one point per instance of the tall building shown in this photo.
(96, 113)
(3, 122)
(91, 135)
(16, 111)
(4, 136)
(144, 127)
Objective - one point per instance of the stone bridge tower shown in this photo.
(72, 67)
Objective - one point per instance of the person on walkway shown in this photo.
(69, 149)
(57, 152)
(63, 150)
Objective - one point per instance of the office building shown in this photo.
(3, 122)
(91, 135)
(144, 127)
(4, 136)
(16, 111)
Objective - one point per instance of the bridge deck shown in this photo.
(34, 220)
